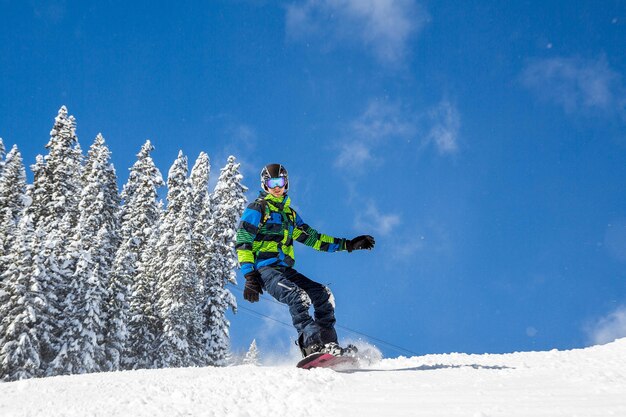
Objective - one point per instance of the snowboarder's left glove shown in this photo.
(360, 242)
(253, 287)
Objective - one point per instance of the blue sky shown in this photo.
(482, 144)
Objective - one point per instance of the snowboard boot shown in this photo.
(308, 350)
(336, 350)
(332, 348)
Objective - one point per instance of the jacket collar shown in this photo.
(279, 203)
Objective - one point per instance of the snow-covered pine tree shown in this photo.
(99, 174)
(19, 303)
(108, 235)
(138, 216)
(181, 340)
(44, 268)
(54, 212)
(201, 212)
(19, 347)
(144, 326)
(90, 248)
(252, 356)
(63, 169)
(12, 201)
(13, 184)
(228, 202)
(2, 154)
(37, 191)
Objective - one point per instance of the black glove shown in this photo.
(254, 286)
(360, 242)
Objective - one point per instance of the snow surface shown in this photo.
(586, 382)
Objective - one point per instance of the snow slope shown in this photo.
(587, 382)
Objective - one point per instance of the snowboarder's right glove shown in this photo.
(253, 287)
(360, 242)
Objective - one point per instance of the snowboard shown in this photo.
(326, 360)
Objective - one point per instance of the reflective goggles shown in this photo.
(276, 182)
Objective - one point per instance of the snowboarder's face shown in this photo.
(277, 191)
(276, 186)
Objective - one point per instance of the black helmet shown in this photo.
(274, 171)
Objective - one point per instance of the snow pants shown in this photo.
(299, 292)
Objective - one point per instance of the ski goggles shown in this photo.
(276, 182)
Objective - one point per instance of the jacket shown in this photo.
(267, 230)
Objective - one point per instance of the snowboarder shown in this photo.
(265, 251)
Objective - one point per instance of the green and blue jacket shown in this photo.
(267, 230)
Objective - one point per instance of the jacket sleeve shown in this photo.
(246, 233)
(304, 233)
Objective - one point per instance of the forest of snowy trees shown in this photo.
(92, 279)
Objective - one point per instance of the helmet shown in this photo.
(273, 171)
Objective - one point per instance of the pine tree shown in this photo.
(2, 155)
(252, 356)
(63, 169)
(54, 212)
(138, 216)
(19, 347)
(101, 194)
(228, 202)
(37, 192)
(144, 326)
(12, 201)
(181, 339)
(13, 184)
(108, 235)
(8, 230)
(90, 248)
(19, 302)
(44, 267)
(201, 212)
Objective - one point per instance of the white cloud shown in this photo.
(373, 220)
(383, 120)
(609, 328)
(353, 155)
(383, 123)
(578, 85)
(446, 123)
(380, 123)
(384, 27)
